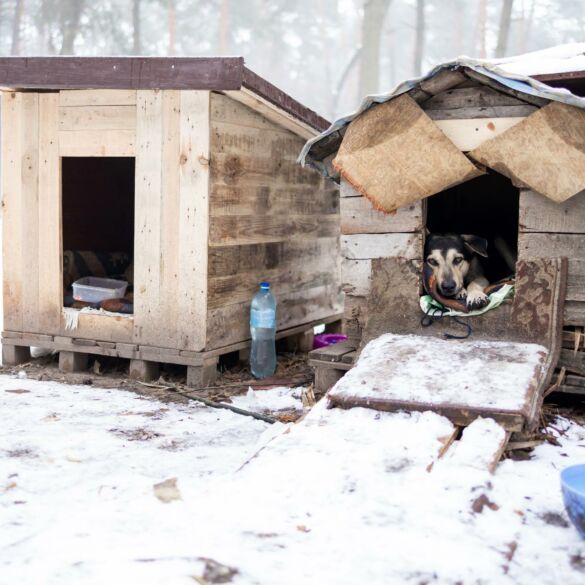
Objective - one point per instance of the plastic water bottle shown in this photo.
(263, 330)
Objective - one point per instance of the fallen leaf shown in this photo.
(9, 486)
(303, 528)
(167, 491)
(481, 502)
(18, 391)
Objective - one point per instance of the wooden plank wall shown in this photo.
(369, 234)
(270, 219)
(170, 251)
(549, 229)
(32, 216)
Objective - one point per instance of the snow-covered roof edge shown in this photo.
(488, 69)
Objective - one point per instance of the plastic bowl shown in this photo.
(325, 339)
(92, 289)
(573, 487)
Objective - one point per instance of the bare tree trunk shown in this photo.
(15, 48)
(372, 22)
(482, 26)
(419, 39)
(527, 28)
(459, 18)
(224, 27)
(136, 40)
(504, 31)
(172, 11)
(70, 17)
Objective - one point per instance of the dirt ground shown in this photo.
(234, 379)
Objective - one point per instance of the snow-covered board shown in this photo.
(458, 379)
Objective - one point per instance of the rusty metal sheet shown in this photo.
(394, 154)
(545, 152)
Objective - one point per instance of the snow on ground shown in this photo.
(342, 497)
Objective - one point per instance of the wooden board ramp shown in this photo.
(501, 373)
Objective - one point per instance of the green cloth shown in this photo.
(428, 303)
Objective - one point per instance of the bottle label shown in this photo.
(263, 319)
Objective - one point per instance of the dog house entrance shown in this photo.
(98, 224)
(487, 206)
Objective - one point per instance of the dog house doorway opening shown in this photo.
(98, 206)
(487, 206)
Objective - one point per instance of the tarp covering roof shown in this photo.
(510, 73)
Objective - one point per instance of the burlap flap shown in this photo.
(545, 152)
(394, 154)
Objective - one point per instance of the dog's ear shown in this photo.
(475, 244)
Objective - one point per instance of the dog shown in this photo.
(454, 261)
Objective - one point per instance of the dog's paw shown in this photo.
(476, 300)
(462, 295)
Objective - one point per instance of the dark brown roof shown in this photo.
(214, 73)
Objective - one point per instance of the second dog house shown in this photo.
(467, 149)
(179, 174)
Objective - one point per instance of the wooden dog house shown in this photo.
(466, 148)
(185, 165)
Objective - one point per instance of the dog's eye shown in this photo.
(432, 262)
(458, 260)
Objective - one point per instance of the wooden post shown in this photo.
(326, 377)
(204, 375)
(72, 361)
(143, 370)
(12, 355)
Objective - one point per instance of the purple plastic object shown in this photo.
(325, 339)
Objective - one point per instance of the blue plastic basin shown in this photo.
(573, 486)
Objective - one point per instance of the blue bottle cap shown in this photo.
(265, 286)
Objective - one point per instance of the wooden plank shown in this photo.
(13, 209)
(97, 97)
(443, 81)
(169, 285)
(30, 218)
(541, 245)
(227, 290)
(332, 353)
(149, 193)
(356, 277)
(482, 112)
(273, 198)
(574, 313)
(240, 169)
(488, 81)
(539, 214)
(97, 143)
(358, 216)
(194, 219)
(274, 113)
(88, 118)
(253, 229)
(50, 248)
(232, 260)
(368, 246)
(99, 327)
(230, 325)
(470, 97)
(467, 135)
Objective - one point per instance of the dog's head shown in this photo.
(449, 256)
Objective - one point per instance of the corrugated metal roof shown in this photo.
(319, 147)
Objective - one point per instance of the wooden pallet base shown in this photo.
(144, 360)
